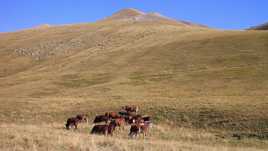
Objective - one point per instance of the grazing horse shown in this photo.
(131, 108)
(134, 130)
(144, 128)
(138, 128)
(101, 118)
(74, 121)
(120, 122)
(106, 129)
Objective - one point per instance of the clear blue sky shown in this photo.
(225, 14)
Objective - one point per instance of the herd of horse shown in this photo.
(106, 124)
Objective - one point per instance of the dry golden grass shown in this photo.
(54, 137)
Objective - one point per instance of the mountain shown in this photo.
(260, 27)
(181, 74)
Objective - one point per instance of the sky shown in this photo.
(224, 14)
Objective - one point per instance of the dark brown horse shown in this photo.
(74, 121)
(101, 118)
(131, 108)
(134, 130)
(106, 129)
(138, 128)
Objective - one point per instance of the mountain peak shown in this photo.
(131, 14)
(131, 10)
(135, 15)
(42, 26)
(126, 13)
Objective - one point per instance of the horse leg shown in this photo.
(131, 135)
(106, 133)
(76, 125)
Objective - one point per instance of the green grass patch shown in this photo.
(76, 81)
(139, 78)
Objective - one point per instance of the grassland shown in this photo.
(54, 137)
(206, 89)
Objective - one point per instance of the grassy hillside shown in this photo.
(184, 76)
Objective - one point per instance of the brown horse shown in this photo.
(131, 108)
(101, 118)
(74, 121)
(106, 129)
(134, 130)
(138, 128)
(144, 128)
(120, 122)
